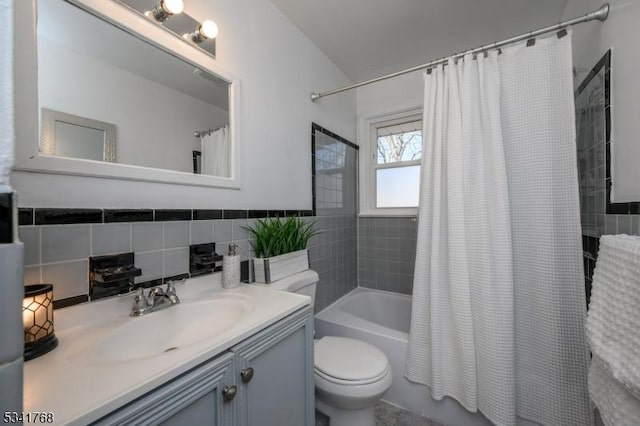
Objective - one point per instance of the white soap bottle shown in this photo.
(231, 268)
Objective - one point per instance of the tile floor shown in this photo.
(388, 415)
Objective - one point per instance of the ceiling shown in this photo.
(370, 38)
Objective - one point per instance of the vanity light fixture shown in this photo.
(37, 319)
(198, 34)
(205, 31)
(166, 9)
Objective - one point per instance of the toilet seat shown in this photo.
(349, 362)
(339, 381)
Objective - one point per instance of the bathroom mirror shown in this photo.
(121, 97)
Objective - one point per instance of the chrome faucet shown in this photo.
(155, 300)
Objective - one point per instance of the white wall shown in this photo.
(6, 98)
(621, 32)
(278, 67)
(389, 96)
(156, 127)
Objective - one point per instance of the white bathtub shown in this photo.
(382, 318)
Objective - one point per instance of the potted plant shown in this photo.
(280, 247)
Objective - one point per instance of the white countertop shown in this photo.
(79, 393)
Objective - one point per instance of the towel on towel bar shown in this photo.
(613, 328)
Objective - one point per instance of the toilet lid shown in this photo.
(349, 359)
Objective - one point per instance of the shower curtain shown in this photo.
(498, 299)
(215, 153)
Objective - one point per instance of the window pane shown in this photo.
(398, 187)
(400, 142)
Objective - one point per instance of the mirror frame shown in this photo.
(28, 156)
(51, 117)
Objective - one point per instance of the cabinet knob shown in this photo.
(228, 393)
(246, 374)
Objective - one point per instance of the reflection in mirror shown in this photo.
(79, 142)
(67, 135)
(164, 108)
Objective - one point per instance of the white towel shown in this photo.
(613, 329)
(616, 405)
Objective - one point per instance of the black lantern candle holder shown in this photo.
(37, 317)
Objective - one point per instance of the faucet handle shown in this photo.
(171, 291)
(140, 302)
(140, 299)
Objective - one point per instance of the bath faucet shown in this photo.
(155, 300)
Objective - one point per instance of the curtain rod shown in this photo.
(601, 15)
(201, 133)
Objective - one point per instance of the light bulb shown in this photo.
(165, 9)
(172, 7)
(208, 29)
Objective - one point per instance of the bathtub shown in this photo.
(382, 318)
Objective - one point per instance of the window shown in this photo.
(390, 158)
(398, 151)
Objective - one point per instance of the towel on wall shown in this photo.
(613, 330)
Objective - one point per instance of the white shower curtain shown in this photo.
(498, 298)
(215, 153)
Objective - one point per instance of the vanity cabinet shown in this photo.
(265, 380)
(274, 370)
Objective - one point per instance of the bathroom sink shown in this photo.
(171, 329)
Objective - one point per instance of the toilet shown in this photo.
(350, 375)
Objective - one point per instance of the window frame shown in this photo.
(369, 165)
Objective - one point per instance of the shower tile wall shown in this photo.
(386, 253)
(593, 127)
(333, 253)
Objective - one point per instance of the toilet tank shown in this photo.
(301, 283)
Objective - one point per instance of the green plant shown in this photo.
(274, 236)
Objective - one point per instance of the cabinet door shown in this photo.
(275, 374)
(194, 398)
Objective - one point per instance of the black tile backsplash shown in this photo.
(257, 214)
(200, 214)
(70, 301)
(175, 214)
(128, 215)
(234, 214)
(60, 216)
(178, 277)
(6, 218)
(25, 216)
(57, 216)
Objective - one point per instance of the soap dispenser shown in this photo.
(231, 268)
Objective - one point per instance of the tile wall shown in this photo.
(387, 253)
(593, 127)
(58, 244)
(334, 253)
